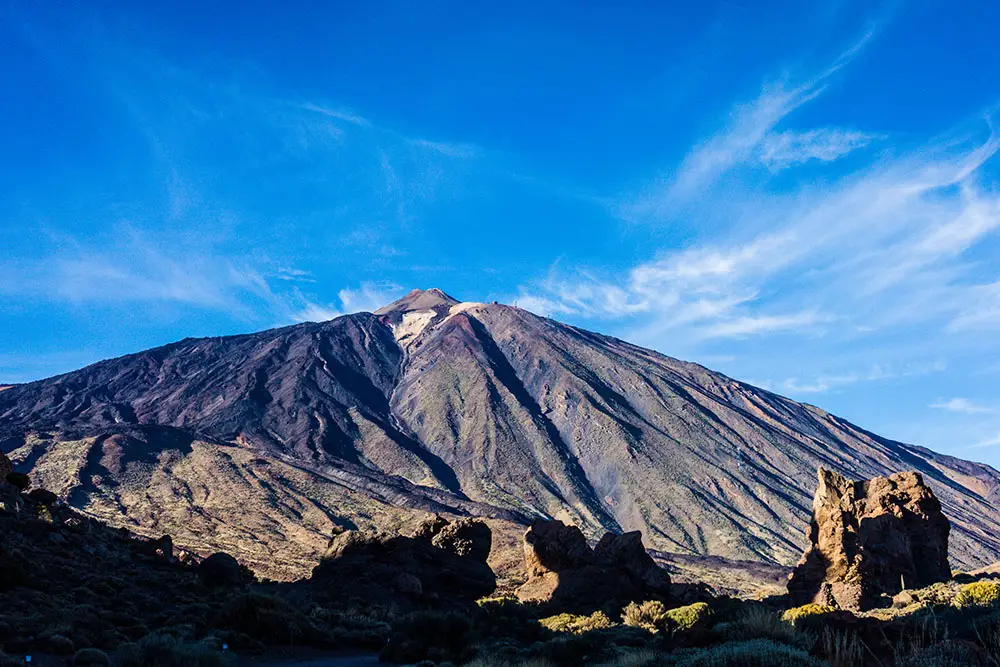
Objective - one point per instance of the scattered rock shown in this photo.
(442, 561)
(563, 570)
(221, 569)
(44, 497)
(870, 539)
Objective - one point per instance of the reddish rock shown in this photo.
(563, 570)
(870, 539)
(628, 554)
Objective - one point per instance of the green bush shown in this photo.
(753, 653)
(427, 635)
(264, 617)
(506, 617)
(91, 657)
(978, 594)
(15, 569)
(161, 650)
(577, 624)
(361, 628)
(693, 615)
(650, 615)
(797, 614)
(759, 622)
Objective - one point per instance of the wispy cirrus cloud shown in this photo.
(781, 150)
(874, 247)
(963, 406)
(750, 139)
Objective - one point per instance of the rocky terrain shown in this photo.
(266, 445)
(76, 592)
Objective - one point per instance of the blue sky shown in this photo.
(800, 195)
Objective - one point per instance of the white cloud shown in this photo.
(749, 138)
(962, 405)
(780, 150)
(880, 247)
(339, 114)
(876, 373)
(988, 442)
(447, 149)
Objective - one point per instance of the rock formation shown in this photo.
(563, 569)
(6, 467)
(442, 561)
(869, 539)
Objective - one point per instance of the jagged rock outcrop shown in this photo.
(441, 562)
(871, 538)
(6, 467)
(563, 570)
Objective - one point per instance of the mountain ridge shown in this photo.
(431, 404)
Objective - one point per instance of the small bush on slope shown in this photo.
(759, 622)
(425, 635)
(797, 614)
(978, 594)
(651, 615)
(577, 624)
(691, 616)
(161, 650)
(754, 653)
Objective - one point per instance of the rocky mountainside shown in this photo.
(263, 444)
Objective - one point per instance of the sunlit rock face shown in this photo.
(871, 539)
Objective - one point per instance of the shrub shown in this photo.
(651, 615)
(264, 617)
(978, 594)
(15, 569)
(753, 653)
(945, 654)
(797, 614)
(362, 628)
(843, 649)
(91, 657)
(19, 480)
(161, 650)
(693, 615)
(509, 618)
(759, 622)
(426, 635)
(577, 624)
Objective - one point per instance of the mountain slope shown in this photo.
(268, 441)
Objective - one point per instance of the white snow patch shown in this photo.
(464, 306)
(412, 325)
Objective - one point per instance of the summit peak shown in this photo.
(419, 299)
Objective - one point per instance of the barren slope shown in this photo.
(262, 444)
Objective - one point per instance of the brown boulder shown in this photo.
(6, 467)
(870, 539)
(564, 571)
(442, 561)
(628, 554)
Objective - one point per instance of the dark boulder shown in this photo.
(222, 570)
(871, 539)
(6, 467)
(565, 572)
(442, 562)
(44, 497)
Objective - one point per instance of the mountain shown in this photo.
(263, 444)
